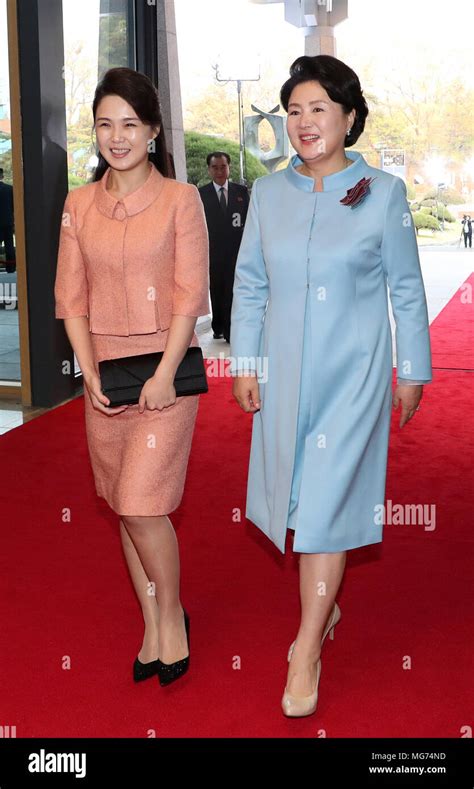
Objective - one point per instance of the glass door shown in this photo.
(98, 35)
(10, 373)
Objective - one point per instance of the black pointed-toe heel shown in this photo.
(144, 670)
(169, 672)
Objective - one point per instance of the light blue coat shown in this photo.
(310, 315)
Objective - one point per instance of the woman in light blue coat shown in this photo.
(311, 346)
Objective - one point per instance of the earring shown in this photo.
(348, 131)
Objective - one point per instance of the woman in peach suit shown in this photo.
(132, 278)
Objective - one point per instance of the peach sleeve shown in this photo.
(191, 270)
(71, 290)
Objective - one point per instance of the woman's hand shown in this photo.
(99, 400)
(245, 391)
(158, 392)
(409, 396)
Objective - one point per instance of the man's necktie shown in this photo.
(222, 200)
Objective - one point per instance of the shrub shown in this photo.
(199, 145)
(423, 220)
(443, 213)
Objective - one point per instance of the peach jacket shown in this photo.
(129, 264)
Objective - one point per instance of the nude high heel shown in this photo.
(298, 707)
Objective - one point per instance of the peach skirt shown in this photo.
(139, 461)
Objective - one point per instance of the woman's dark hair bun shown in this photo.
(339, 81)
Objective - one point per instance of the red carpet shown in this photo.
(66, 593)
(452, 333)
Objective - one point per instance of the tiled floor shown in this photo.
(444, 269)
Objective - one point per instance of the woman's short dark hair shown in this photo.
(340, 82)
(138, 91)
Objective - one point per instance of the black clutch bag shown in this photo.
(122, 379)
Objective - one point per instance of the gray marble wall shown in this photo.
(169, 86)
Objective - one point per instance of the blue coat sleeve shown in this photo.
(401, 264)
(250, 294)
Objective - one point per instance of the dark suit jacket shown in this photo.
(225, 232)
(6, 204)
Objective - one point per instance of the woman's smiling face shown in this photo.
(122, 138)
(316, 125)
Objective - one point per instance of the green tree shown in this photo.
(423, 220)
(199, 145)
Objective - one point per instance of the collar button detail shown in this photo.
(132, 203)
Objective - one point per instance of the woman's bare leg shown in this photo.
(157, 547)
(146, 597)
(320, 577)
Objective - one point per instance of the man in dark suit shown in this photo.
(225, 206)
(6, 223)
(467, 229)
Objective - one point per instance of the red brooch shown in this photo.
(355, 195)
